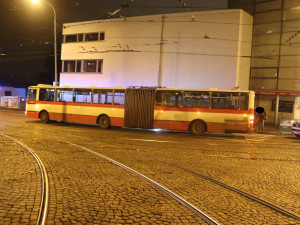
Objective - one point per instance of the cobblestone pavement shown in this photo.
(85, 189)
(20, 186)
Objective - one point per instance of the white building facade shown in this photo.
(201, 50)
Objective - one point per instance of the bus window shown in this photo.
(119, 98)
(81, 95)
(168, 98)
(102, 96)
(225, 100)
(46, 94)
(196, 99)
(32, 94)
(64, 95)
(244, 100)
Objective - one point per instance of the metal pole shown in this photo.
(276, 111)
(55, 44)
(161, 51)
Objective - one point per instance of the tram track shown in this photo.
(214, 181)
(221, 184)
(200, 176)
(242, 193)
(206, 218)
(43, 209)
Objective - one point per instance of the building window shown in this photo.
(92, 37)
(90, 66)
(71, 38)
(93, 66)
(69, 66)
(78, 66)
(7, 93)
(85, 37)
(102, 36)
(284, 106)
(80, 37)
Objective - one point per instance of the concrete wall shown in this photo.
(201, 50)
(19, 92)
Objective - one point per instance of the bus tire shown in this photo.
(44, 116)
(104, 122)
(198, 127)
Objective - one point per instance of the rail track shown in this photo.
(43, 209)
(206, 218)
(223, 185)
(242, 193)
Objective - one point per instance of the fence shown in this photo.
(13, 102)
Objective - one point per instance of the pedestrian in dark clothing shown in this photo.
(261, 116)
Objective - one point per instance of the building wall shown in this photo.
(200, 50)
(19, 92)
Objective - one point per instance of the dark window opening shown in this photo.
(69, 66)
(92, 37)
(8, 93)
(102, 36)
(71, 38)
(46, 94)
(284, 106)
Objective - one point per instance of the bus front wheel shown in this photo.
(44, 117)
(104, 122)
(198, 127)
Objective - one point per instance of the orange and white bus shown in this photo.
(198, 111)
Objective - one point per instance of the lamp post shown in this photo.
(55, 44)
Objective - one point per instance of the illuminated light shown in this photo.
(113, 108)
(37, 106)
(35, 1)
(161, 110)
(251, 117)
(251, 121)
(156, 130)
(198, 113)
(245, 115)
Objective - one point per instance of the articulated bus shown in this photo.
(198, 111)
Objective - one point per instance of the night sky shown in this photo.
(26, 31)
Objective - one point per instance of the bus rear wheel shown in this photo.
(198, 127)
(44, 116)
(104, 122)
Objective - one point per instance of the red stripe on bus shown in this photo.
(34, 115)
(74, 118)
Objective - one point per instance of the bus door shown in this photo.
(139, 108)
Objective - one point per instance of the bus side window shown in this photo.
(64, 95)
(119, 97)
(225, 100)
(46, 94)
(159, 98)
(83, 96)
(196, 99)
(103, 97)
(168, 98)
(243, 101)
(175, 99)
(32, 94)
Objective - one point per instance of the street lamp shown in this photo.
(55, 45)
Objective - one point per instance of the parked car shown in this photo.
(296, 129)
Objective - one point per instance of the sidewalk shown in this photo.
(271, 129)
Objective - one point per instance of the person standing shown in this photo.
(261, 117)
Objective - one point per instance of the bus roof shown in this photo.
(122, 88)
